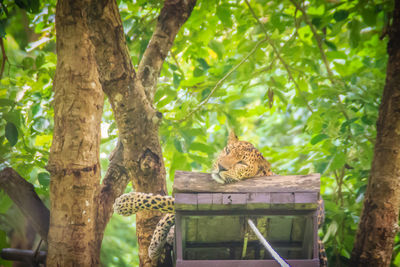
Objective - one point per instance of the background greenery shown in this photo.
(303, 87)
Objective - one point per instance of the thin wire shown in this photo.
(265, 243)
(219, 83)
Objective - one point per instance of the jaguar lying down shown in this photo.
(238, 160)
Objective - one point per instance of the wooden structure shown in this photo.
(211, 220)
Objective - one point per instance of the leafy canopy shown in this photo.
(300, 80)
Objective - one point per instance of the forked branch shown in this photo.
(279, 56)
(172, 17)
(24, 196)
(318, 39)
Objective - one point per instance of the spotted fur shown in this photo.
(237, 161)
(132, 202)
(160, 235)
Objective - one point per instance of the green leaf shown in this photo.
(316, 21)
(35, 109)
(320, 166)
(5, 202)
(367, 120)
(198, 72)
(30, 6)
(6, 102)
(355, 29)
(27, 63)
(11, 133)
(178, 145)
(224, 14)
(369, 16)
(196, 146)
(332, 229)
(217, 47)
(338, 161)
(44, 178)
(176, 80)
(203, 63)
(40, 60)
(318, 138)
(3, 244)
(340, 15)
(346, 124)
(331, 45)
(3, 24)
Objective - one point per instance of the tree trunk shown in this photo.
(74, 155)
(131, 96)
(92, 58)
(379, 220)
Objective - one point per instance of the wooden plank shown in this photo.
(178, 237)
(185, 201)
(204, 201)
(258, 201)
(301, 197)
(282, 200)
(308, 241)
(195, 182)
(234, 199)
(217, 201)
(306, 201)
(244, 263)
(315, 235)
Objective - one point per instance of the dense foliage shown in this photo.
(301, 80)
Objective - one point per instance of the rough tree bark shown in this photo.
(74, 155)
(92, 58)
(379, 220)
(131, 95)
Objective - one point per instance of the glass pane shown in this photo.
(229, 237)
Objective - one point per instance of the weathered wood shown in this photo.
(211, 228)
(186, 202)
(258, 201)
(246, 201)
(204, 201)
(246, 263)
(196, 182)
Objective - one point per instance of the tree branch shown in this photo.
(172, 16)
(4, 56)
(276, 51)
(318, 39)
(219, 83)
(131, 96)
(24, 196)
(177, 64)
(113, 185)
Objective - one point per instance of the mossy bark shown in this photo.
(379, 220)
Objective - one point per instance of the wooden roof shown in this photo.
(197, 182)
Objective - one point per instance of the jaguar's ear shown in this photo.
(232, 137)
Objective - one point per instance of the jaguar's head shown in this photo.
(239, 160)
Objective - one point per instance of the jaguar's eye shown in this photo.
(227, 150)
